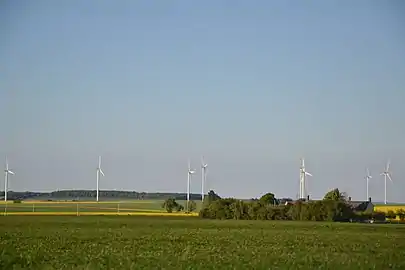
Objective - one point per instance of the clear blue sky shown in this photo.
(252, 85)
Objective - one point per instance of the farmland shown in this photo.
(134, 242)
(124, 207)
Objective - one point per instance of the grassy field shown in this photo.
(83, 207)
(103, 242)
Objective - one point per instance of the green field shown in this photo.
(104, 242)
(85, 207)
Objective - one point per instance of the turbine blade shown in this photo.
(99, 161)
(202, 161)
(189, 165)
(10, 172)
(307, 173)
(388, 166)
(302, 163)
(368, 172)
(389, 177)
(101, 171)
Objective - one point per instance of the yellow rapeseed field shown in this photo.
(386, 208)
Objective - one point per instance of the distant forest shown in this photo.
(104, 195)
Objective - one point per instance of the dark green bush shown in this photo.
(337, 210)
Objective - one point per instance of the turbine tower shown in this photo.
(7, 171)
(189, 175)
(368, 177)
(386, 174)
(99, 171)
(303, 174)
(203, 177)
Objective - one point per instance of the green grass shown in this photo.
(109, 206)
(191, 243)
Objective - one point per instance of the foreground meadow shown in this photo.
(102, 242)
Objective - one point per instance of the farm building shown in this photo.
(362, 206)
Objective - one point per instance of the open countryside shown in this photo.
(81, 202)
(134, 234)
(188, 135)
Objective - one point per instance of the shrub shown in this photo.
(170, 204)
(401, 214)
(267, 209)
(391, 214)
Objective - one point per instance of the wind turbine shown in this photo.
(189, 175)
(368, 177)
(303, 174)
(7, 171)
(203, 177)
(99, 171)
(386, 174)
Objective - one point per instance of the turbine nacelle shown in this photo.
(100, 171)
(190, 171)
(203, 164)
(386, 172)
(99, 166)
(368, 176)
(9, 172)
(303, 171)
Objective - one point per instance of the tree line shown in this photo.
(104, 194)
(335, 206)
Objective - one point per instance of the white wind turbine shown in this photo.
(303, 174)
(203, 177)
(368, 177)
(190, 172)
(99, 171)
(386, 174)
(7, 171)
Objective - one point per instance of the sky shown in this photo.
(251, 85)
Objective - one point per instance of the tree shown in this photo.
(334, 195)
(179, 208)
(391, 214)
(170, 204)
(268, 198)
(401, 214)
(192, 206)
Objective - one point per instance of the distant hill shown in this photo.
(104, 194)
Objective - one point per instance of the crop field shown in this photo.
(135, 242)
(136, 207)
(386, 208)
